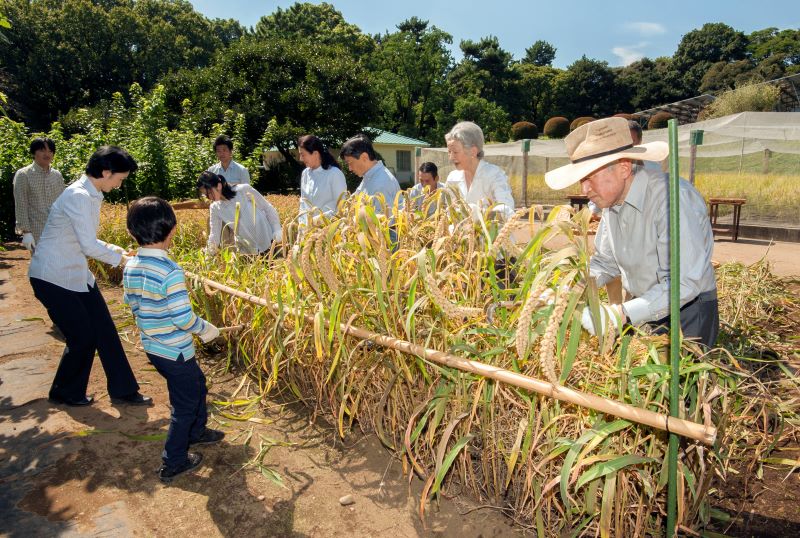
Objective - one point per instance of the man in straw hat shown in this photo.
(633, 238)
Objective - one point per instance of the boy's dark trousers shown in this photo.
(84, 320)
(187, 396)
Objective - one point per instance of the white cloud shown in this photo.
(646, 28)
(629, 54)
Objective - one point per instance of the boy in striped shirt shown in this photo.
(155, 289)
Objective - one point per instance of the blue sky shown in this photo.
(618, 32)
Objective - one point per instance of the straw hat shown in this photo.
(595, 144)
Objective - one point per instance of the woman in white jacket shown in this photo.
(481, 184)
(257, 225)
(322, 181)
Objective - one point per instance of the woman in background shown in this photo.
(258, 224)
(322, 181)
(61, 281)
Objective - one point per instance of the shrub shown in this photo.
(556, 127)
(751, 97)
(577, 122)
(524, 129)
(659, 120)
(634, 117)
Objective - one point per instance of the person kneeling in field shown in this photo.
(155, 289)
(258, 223)
(633, 238)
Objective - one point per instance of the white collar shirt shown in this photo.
(489, 187)
(236, 174)
(70, 237)
(258, 224)
(320, 190)
(633, 242)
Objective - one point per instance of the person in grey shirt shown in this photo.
(233, 172)
(633, 238)
(376, 180)
(60, 277)
(429, 183)
(36, 187)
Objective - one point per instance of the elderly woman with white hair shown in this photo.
(480, 183)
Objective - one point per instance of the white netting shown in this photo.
(736, 151)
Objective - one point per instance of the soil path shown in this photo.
(58, 479)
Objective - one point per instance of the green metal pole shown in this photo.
(674, 323)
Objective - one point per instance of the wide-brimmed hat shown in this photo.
(595, 144)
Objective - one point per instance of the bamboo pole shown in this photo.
(674, 322)
(699, 432)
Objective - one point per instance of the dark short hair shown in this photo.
(635, 128)
(357, 145)
(150, 220)
(223, 139)
(311, 143)
(429, 168)
(42, 142)
(209, 180)
(111, 158)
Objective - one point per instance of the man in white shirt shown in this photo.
(376, 179)
(233, 172)
(633, 238)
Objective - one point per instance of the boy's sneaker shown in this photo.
(167, 475)
(208, 437)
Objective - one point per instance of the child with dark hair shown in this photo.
(155, 289)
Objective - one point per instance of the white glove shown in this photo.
(28, 241)
(609, 315)
(209, 333)
(117, 249)
(124, 261)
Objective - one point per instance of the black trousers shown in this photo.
(699, 319)
(84, 320)
(187, 397)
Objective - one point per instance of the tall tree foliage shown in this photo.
(299, 86)
(67, 53)
(409, 75)
(701, 48)
(314, 24)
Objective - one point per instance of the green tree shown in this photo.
(649, 83)
(541, 53)
(489, 116)
(69, 53)
(588, 88)
(701, 48)
(771, 42)
(537, 90)
(409, 75)
(486, 71)
(314, 24)
(316, 88)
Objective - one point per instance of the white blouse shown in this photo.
(489, 187)
(319, 191)
(259, 223)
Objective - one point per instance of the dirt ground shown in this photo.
(57, 479)
(91, 471)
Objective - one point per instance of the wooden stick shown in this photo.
(692, 430)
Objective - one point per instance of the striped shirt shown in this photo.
(69, 236)
(155, 289)
(35, 190)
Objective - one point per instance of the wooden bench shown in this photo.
(713, 214)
